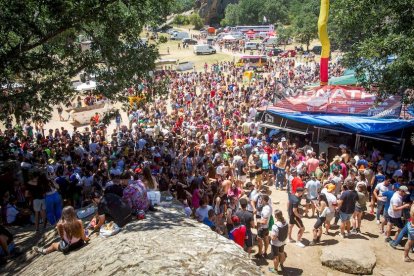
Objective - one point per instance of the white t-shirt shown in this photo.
(202, 213)
(313, 186)
(382, 188)
(265, 214)
(331, 199)
(275, 231)
(396, 200)
(254, 195)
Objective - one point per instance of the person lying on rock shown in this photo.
(71, 232)
(111, 207)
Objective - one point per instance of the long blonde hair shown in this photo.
(69, 223)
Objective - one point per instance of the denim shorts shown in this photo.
(345, 217)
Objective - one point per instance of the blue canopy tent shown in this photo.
(382, 129)
(354, 124)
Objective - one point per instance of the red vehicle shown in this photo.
(288, 53)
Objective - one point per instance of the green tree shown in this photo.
(40, 50)
(232, 15)
(196, 20)
(370, 32)
(181, 19)
(305, 21)
(275, 11)
(179, 6)
(284, 33)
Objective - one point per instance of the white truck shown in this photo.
(204, 49)
(179, 35)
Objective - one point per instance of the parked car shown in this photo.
(317, 50)
(179, 35)
(274, 52)
(251, 46)
(288, 53)
(269, 41)
(189, 41)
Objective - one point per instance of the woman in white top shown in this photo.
(323, 211)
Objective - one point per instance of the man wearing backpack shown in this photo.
(278, 237)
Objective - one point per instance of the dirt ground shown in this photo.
(305, 261)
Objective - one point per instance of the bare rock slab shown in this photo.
(349, 258)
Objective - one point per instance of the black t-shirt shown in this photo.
(349, 198)
(5, 232)
(114, 189)
(37, 191)
(245, 218)
(294, 202)
(114, 208)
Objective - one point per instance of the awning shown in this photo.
(270, 126)
(354, 124)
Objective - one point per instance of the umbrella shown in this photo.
(229, 37)
(250, 32)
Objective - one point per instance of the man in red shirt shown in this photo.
(296, 181)
(238, 233)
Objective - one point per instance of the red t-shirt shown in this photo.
(238, 235)
(297, 182)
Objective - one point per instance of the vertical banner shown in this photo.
(323, 37)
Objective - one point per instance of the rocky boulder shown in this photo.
(349, 258)
(164, 243)
(212, 10)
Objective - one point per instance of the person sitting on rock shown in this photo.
(111, 207)
(6, 242)
(71, 232)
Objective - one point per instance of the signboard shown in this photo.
(349, 100)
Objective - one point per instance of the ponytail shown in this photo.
(279, 216)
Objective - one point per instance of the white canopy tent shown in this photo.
(90, 85)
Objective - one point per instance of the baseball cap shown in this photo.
(404, 189)
(283, 139)
(397, 186)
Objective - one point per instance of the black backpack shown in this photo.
(283, 232)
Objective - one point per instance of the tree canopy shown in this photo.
(377, 38)
(40, 49)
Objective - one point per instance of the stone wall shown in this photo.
(213, 10)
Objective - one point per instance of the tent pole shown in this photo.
(402, 147)
(319, 133)
(356, 146)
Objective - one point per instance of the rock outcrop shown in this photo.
(212, 10)
(349, 258)
(164, 243)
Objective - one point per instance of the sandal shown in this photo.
(408, 260)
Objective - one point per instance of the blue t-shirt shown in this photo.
(388, 195)
(275, 157)
(208, 222)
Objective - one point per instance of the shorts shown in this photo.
(258, 177)
(319, 222)
(386, 216)
(249, 241)
(345, 217)
(410, 231)
(72, 246)
(361, 209)
(329, 217)
(309, 200)
(262, 233)
(397, 222)
(294, 220)
(39, 205)
(276, 250)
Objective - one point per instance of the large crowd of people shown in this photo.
(205, 147)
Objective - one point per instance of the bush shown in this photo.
(197, 21)
(180, 19)
(162, 39)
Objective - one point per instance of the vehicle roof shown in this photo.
(253, 56)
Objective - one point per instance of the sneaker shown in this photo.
(299, 244)
(388, 239)
(282, 267)
(358, 230)
(392, 244)
(408, 260)
(258, 256)
(354, 231)
(39, 250)
(312, 243)
(342, 235)
(378, 222)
